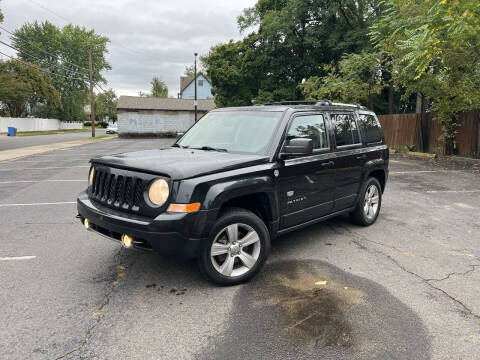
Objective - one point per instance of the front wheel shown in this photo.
(368, 207)
(237, 248)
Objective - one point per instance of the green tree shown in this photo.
(189, 71)
(159, 88)
(435, 50)
(292, 40)
(357, 78)
(21, 84)
(235, 71)
(106, 105)
(64, 53)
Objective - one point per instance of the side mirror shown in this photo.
(297, 147)
(179, 135)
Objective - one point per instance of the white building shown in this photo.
(153, 116)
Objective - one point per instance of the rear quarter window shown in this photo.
(345, 129)
(370, 128)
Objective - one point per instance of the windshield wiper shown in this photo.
(209, 148)
(180, 146)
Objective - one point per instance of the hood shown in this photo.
(178, 163)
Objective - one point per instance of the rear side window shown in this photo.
(370, 128)
(346, 130)
(309, 126)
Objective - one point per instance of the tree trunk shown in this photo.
(370, 102)
(16, 110)
(419, 106)
(390, 97)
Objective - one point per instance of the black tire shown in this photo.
(242, 218)
(359, 215)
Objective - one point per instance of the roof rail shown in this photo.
(324, 102)
(349, 105)
(290, 102)
(321, 102)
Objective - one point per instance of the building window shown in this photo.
(200, 82)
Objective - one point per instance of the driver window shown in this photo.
(309, 126)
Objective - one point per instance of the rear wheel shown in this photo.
(368, 206)
(238, 247)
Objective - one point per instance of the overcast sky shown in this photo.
(148, 37)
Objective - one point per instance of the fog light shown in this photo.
(127, 241)
(86, 223)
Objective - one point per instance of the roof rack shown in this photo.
(291, 102)
(321, 102)
(349, 105)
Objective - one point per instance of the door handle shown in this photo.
(362, 157)
(328, 164)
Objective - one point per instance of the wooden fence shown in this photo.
(424, 131)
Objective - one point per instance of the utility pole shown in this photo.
(92, 99)
(195, 74)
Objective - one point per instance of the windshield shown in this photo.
(233, 131)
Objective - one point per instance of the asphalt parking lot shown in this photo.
(404, 288)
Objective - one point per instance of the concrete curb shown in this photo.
(421, 155)
(7, 155)
(461, 159)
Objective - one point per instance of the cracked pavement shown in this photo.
(404, 288)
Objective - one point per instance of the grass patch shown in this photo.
(49, 132)
(104, 136)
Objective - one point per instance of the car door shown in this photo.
(305, 185)
(350, 158)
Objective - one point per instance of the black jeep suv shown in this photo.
(238, 178)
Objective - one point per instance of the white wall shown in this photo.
(152, 122)
(36, 124)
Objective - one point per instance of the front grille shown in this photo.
(118, 191)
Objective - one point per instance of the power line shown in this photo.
(69, 21)
(25, 63)
(39, 48)
(47, 53)
(36, 58)
(50, 11)
(40, 60)
(39, 68)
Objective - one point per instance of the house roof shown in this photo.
(184, 82)
(151, 103)
(187, 80)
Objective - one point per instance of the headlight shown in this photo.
(90, 177)
(158, 192)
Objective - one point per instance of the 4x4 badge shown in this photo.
(276, 173)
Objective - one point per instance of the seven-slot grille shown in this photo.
(117, 190)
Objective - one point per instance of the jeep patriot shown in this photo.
(238, 178)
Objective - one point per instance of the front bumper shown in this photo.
(181, 235)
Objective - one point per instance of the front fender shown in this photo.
(220, 193)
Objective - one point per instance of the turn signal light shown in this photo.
(86, 223)
(183, 208)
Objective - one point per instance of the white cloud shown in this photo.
(148, 37)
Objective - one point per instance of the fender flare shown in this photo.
(220, 193)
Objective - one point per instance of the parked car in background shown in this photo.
(237, 179)
(112, 129)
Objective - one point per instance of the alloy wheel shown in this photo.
(372, 198)
(235, 250)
